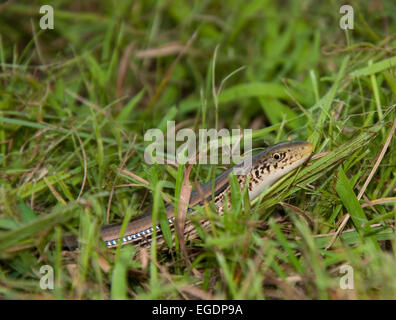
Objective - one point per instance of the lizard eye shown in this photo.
(276, 156)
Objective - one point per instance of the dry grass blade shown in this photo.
(298, 210)
(165, 50)
(135, 176)
(54, 192)
(366, 183)
(85, 164)
(379, 201)
(168, 73)
(124, 160)
(122, 71)
(197, 292)
(184, 200)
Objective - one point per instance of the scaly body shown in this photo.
(266, 168)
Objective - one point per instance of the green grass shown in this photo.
(76, 101)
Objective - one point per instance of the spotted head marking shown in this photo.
(273, 163)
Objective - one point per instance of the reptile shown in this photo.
(266, 167)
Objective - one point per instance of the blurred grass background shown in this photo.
(76, 101)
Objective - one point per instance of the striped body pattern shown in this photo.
(267, 167)
(144, 235)
(138, 236)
